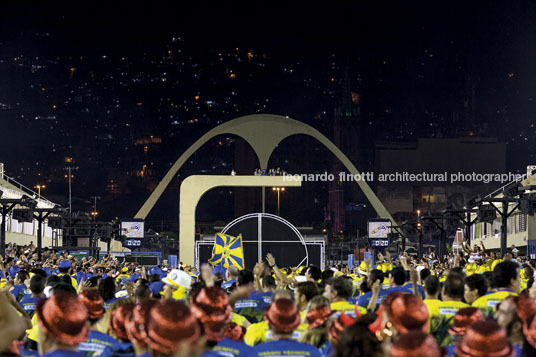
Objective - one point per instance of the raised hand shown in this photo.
(376, 287)
(270, 258)
(413, 275)
(257, 270)
(368, 262)
(206, 275)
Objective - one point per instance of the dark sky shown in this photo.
(491, 39)
(294, 27)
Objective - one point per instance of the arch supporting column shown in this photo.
(194, 187)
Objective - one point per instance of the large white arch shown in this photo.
(263, 132)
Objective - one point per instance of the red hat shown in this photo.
(484, 339)
(463, 318)
(529, 330)
(120, 316)
(169, 323)
(415, 344)
(211, 307)
(136, 325)
(318, 316)
(338, 326)
(234, 332)
(64, 318)
(93, 303)
(406, 312)
(525, 306)
(282, 315)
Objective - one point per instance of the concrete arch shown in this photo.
(263, 132)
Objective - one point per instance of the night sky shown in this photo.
(74, 75)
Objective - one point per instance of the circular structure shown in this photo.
(264, 233)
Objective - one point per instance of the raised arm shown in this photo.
(257, 271)
(465, 249)
(374, 299)
(414, 277)
(271, 260)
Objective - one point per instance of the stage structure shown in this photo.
(264, 233)
(194, 187)
(263, 132)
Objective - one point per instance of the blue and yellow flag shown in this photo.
(227, 251)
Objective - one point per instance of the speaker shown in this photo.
(528, 204)
(55, 222)
(486, 214)
(23, 215)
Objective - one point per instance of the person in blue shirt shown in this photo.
(231, 276)
(283, 318)
(248, 307)
(232, 344)
(80, 275)
(397, 279)
(134, 276)
(19, 289)
(375, 275)
(264, 298)
(12, 271)
(211, 307)
(424, 273)
(37, 286)
(62, 320)
(96, 341)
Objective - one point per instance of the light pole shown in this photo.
(278, 189)
(95, 213)
(69, 161)
(419, 229)
(39, 187)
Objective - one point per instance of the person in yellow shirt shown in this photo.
(495, 262)
(176, 283)
(491, 260)
(452, 296)
(475, 287)
(303, 293)
(471, 268)
(508, 281)
(338, 291)
(121, 278)
(526, 274)
(482, 268)
(259, 332)
(444, 311)
(383, 264)
(432, 287)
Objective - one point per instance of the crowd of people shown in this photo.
(269, 172)
(469, 303)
